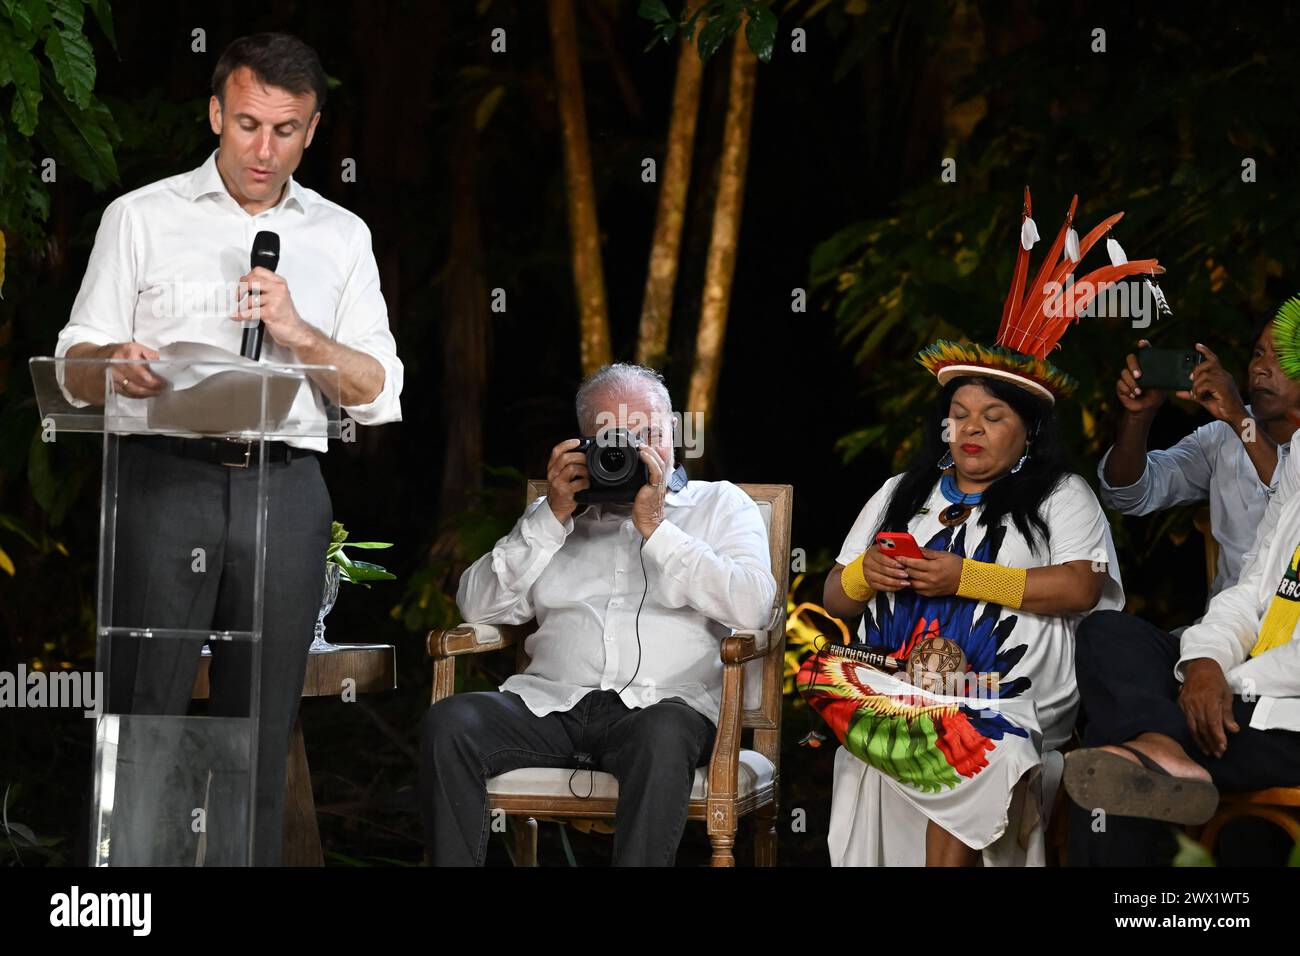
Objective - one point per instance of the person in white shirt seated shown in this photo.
(971, 571)
(624, 674)
(1231, 462)
(1174, 721)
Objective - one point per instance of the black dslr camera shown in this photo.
(614, 467)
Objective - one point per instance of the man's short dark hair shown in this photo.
(276, 59)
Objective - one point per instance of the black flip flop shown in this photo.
(1098, 779)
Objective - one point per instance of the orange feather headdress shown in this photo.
(1035, 317)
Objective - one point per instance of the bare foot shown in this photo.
(1165, 751)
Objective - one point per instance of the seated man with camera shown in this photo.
(634, 575)
(1233, 462)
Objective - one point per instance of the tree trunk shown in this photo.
(721, 264)
(588, 273)
(674, 182)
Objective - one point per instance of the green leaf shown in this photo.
(70, 13)
(32, 17)
(714, 34)
(855, 443)
(359, 572)
(74, 64)
(17, 527)
(38, 200)
(54, 488)
(653, 10)
(367, 544)
(829, 255)
(688, 29)
(22, 69)
(81, 138)
(23, 832)
(104, 16)
(760, 31)
(1190, 853)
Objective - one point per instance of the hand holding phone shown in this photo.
(1167, 369)
(898, 544)
(882, 570)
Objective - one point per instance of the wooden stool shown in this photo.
(374, 668)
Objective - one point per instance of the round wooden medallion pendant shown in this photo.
(954, 515)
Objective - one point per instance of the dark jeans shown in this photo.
(168, 506)
(1125, 669)
(652, 751)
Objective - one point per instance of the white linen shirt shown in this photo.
(1209, 464)
(707, 571)
(1231, 624)
(164, 252)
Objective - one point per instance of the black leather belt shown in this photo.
(230, 452)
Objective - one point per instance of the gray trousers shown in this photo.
(652, 751)
(169, 506)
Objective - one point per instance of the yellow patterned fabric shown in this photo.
(992, 582)
(854, 582)
(1283, 611)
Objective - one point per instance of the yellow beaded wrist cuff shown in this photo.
(992, 582)
(854, 582)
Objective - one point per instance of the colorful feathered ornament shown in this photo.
(1286, 337)
(1035, 317)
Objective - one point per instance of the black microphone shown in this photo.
(266, 253)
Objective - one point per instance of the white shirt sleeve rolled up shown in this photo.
(105, 303)
(495, 588)
(1172, 476)
(361, 323)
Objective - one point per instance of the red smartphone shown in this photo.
(898, 544)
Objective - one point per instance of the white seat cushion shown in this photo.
(755, 773)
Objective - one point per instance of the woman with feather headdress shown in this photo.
(948, 768)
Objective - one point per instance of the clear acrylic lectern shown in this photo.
(174, 783)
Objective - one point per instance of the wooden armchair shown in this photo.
(1280, 806)
(738, 780)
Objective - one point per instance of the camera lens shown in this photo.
(612, 461)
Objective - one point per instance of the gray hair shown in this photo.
(619, 376)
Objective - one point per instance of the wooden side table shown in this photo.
(374, 668)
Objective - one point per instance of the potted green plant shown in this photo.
(339, 566)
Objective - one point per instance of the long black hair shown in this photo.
(1020, 495)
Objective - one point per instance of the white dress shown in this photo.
(996, 796)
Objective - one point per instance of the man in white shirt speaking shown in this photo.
(159, 253)
(631, 602)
